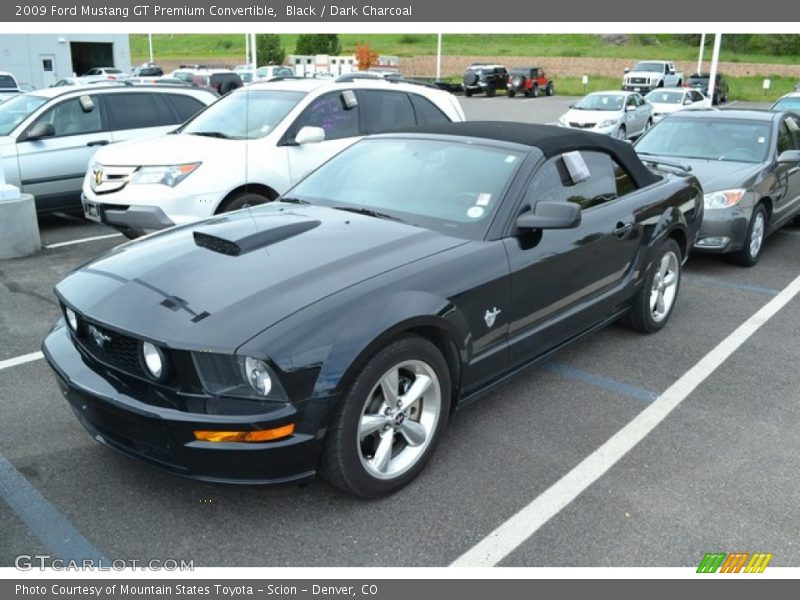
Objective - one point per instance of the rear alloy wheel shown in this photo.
(535, 90)
(550, 90)
(388, 425)
(511, 93)
(655, 300)
(242, 200)
(754, 243)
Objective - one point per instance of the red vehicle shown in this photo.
(530, 81)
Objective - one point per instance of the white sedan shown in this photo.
(666, 101)
(624, 115)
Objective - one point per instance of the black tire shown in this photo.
(746, 257)
(640, 317)
(550, 90)
(535, 90)
(342, 454)
(468, 92)
(622, 133)
(511, 93)
(241, 200)
(490, 91)
(715, 99)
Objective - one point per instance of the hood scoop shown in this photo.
(247, 241)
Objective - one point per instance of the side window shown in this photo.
(788, 134)
(631, 101)
(329, 112)
(68, 118)
(427, 112)
(607, 181)
(132, 111)
(185, 106)
(387, 110)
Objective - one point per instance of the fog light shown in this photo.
(713, 242)
(264, 435)
(153, 359)
(72, 318)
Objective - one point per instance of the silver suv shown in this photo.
(48, 137)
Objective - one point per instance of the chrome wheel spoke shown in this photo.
(660, 304)
(390, 385)
(654, 299)
(670, 279)
(370, 424)
(383, 455)
(421, 385)
(414, 432)
(664, 266)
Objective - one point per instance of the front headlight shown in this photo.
(723, 199)
(170, 175)
(563, 120)
(607, 123)
(237, 376)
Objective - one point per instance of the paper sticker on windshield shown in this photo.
(576, 167)
(761, 139)
(476, 212)
(510, 159)
(483, 199)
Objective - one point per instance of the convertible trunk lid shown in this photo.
(214, 284)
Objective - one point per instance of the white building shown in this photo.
(42, 59)
(322, 64)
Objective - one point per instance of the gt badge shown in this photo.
(98, 176)
(491, 316)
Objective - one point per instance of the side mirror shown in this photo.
(687, 102)
(551, 215)
(309, 135)
(789, 157)
(626, 70)
(39, 131)
(87, 105)
(572, 106)
(629, 108)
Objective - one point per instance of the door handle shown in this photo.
(622, 229)
(97, 143)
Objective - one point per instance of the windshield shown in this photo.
(723, 139)
(609, 102)
(792, 104)
(453, 188)
(248, 114)
(649, 66)
(664, 97)
(112, 71)
(6, 81)
(14, 110)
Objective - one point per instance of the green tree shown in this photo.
(269, 49)
(318, 43)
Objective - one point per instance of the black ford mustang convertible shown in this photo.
(335, 330)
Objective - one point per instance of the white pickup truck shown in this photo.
(651, 74)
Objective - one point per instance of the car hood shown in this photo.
(171, 149)
(665, 108)
(717, 175)
(188, 288)
(650, 74)
(591, 116)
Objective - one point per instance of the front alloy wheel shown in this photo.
(386, 427)
(653, 303)
(754, 243)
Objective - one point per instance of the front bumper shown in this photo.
(135, 219)
(163, 436)
(638, 87)
(723, 230)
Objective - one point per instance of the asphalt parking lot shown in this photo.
(718, 474)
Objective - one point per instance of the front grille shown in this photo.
(582, 125)
(639, 80)
(111, 348)
(105, 179)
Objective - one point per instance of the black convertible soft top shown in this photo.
(551, 141)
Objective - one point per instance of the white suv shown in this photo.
(248, 148)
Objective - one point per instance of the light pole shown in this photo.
(438, 56)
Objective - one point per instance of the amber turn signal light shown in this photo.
(263, 435)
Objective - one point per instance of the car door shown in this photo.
(698, 100)
(386, 111)
(338, 114)
(787, 205)
(632, 116)
(566, 281)
(643, 112)
(52, 168)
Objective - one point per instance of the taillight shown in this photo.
(112, 78)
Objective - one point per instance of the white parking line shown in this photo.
(511, 534)
(83, 240)
(20, 360)
(727, 104)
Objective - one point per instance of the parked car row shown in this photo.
(488, 78)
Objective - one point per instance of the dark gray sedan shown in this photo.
(748, 163)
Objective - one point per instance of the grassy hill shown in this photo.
(735, 48)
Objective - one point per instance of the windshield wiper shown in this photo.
(294, 200)
(369, 212)
(214, 134)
